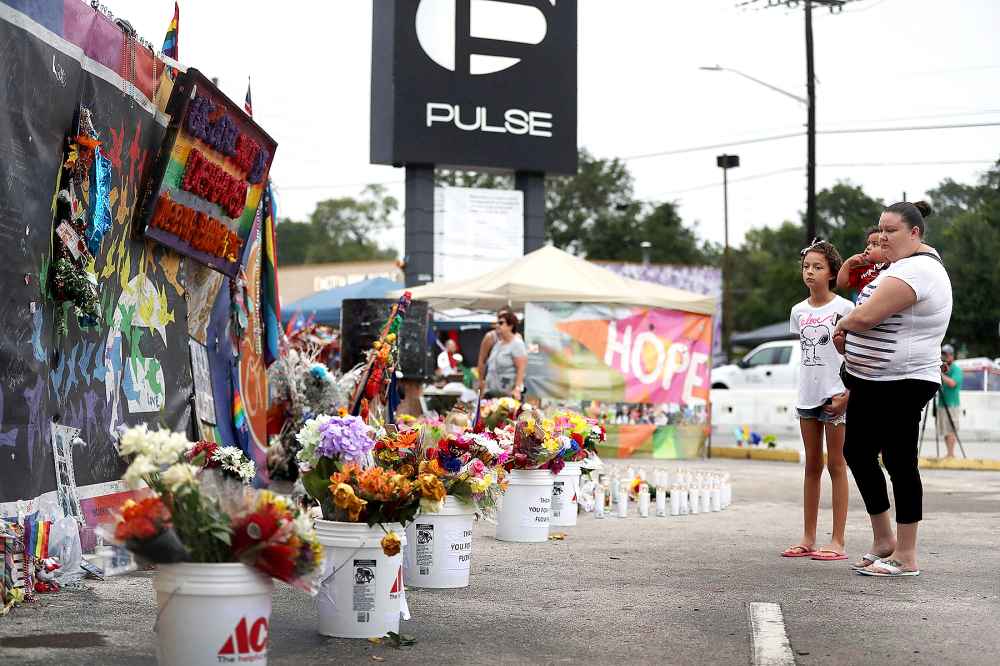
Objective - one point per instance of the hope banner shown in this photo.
(617, 354)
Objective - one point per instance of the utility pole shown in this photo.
(726, 162)
(810, 130)
(835, 6)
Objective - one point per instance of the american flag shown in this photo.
(247, 105)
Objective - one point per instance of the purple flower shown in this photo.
(346, 437)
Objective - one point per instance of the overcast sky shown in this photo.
(879, 63)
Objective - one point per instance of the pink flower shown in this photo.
(477, 468)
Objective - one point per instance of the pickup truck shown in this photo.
(772, 365)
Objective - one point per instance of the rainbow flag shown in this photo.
(270, 302)
(170, 40)
(36, 537)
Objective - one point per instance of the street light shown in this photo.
(726, 162)
(720, 68)
(810, 103)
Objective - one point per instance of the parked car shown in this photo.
(770, 365)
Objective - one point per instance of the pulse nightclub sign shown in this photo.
(475, 83)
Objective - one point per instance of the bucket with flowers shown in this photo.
(578, 437)
(217, 543)
(364, 510)
(469, 467)
(533, 461)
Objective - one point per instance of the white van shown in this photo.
(772, 365)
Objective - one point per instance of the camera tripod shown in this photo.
(931, 406)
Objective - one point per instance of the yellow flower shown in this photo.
(354, 508)
(391, 544)
(432, 488)
(343, 495)
(529, 426)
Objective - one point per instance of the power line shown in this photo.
(778, 137)
(832, 165)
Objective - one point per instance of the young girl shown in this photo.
(860, 269)
(822, 398)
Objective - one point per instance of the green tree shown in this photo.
(592, 213)
(766, 280)
(342, 229)
(965, 229)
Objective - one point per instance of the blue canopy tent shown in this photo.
(324, 306)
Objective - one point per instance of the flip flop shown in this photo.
(798, 551)
(870, 558)
(890, 569)
(828, 555)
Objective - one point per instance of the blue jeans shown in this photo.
(817, 414)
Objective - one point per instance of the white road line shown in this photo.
(768, 641)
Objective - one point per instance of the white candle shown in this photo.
(675, 500)
(685, 505)
(598, 502)
(643, 500)
(694, 499)
(623, 500)
(661, 501)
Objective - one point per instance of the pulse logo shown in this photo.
(493, 27)
(498, 24)
(246, 645)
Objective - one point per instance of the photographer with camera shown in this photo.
(949, 405)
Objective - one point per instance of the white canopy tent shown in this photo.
(552, 275)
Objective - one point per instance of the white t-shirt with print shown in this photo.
(907, 345)
(819, 374)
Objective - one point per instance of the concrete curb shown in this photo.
(969, 464)
(746, 453)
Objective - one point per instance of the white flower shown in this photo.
(309, 437)
(171, 447)
(180, 474)
(231, 459)
(141, 467)
(135, 441)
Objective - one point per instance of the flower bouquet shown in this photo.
(535, 444)
(326, 443)
(198, 502)
(578, 435)
(498, 413)
(379, 496)
(470, 465)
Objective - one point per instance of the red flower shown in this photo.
(257, 527)
(277, 560)
(142, 520)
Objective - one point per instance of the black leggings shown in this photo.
(884, 417)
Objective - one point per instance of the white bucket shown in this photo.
(439, 550)
(565, 487)
(362, 592)
(526, 507)
(212, 614)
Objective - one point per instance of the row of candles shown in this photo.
(687, 492)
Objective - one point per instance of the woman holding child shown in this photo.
(891, 344)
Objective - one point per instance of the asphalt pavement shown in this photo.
(670, 590)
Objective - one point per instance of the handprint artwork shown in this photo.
(812, 337)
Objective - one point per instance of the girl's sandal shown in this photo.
(798, 551)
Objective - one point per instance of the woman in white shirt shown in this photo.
(891, 344)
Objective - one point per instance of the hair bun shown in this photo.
(924, 208)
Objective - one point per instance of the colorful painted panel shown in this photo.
(210, 174)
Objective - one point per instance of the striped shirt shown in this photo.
(906, 345)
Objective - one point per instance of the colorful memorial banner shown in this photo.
(617, 354)
(209, 177)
